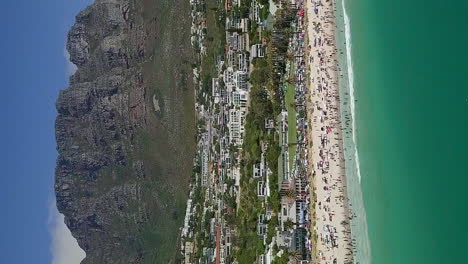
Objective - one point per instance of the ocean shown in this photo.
(405, 114)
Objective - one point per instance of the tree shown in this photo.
(232, 149)
(259, 76)
(289, 224)
(284, 259)
(244, 11)
(296, 256)
(265, 11)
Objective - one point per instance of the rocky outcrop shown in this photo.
(105, 184)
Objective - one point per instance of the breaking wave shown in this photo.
(362, 250)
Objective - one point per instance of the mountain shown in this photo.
(125, 130)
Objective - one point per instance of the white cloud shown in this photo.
(71, 68)
(64, 247)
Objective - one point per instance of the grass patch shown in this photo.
(291, 108)
(215, 41)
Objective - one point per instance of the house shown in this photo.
(261, 230)
(236, 126)
(263, 165)
(219, 64)
(261, 259)
(215, 91)
(284, 239)
(227, 241)
(244, 25)
(293, 241)
(231, 57)
(256, 171)
(261, 189)
(288, 211)
(301, 213)
(242, 42)
(210, 254)
(205, 160)
(261, 227)
(299, 243)
(213, 228)
(188, 215)
(230, 22)
(225, 92)
(240, 98)
(226, 159)
(240, 78)
(228, 75)
(235, 79)
(188, 252)
(254, 13)
(235, 175)
(242, 62)
(234, 41)
(269, 123)
(260, 169)
(257, 51)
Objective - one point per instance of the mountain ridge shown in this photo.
(118, 193)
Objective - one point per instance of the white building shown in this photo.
(188, 214)
(188, 252)
(244, 25)
(235, 175)
(236, 126)
(255, 12)
(235, 78)
(260, 169)
(234, 41)
(240, 99)
(242, 62)
(256, 170)
(215, 91)
(261, 189)
(288, 211)
(257, 51)
(231, 57)
(240, 79)
(228, 75)
(204, 161)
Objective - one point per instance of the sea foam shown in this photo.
(352, 99)
(362, 250)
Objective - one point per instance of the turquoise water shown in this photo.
(411, 121)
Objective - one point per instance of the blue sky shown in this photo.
(32, 69)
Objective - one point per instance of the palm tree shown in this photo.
(289, 224)
(291, 193)
(296, 255)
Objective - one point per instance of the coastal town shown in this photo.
(268, 180)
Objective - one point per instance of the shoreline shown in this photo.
(331, 211)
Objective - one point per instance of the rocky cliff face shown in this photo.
(120, 193)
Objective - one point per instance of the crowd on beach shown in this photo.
(334, 243)
(325, 153)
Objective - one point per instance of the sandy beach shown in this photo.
(332, 212)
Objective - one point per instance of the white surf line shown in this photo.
(350, 70)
